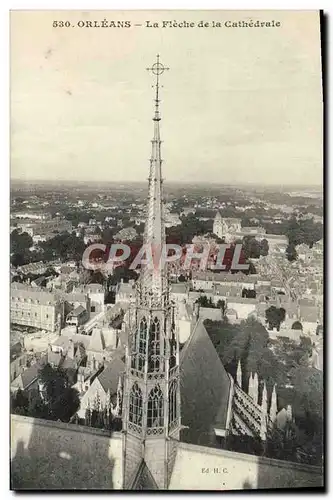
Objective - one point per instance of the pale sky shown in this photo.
(238, 104)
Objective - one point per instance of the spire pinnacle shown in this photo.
(154, 237)
(157, 69)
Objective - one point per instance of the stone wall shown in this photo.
(198, 467)
(54, 455)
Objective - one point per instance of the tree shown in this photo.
(291, 252)
(248, 293)
(203, 301)
(221, 304)
(251, 247)
(61, 400)
(64, 246)
(297, 326)
(19, 403)
(20, 242)
(122, 273)
(264, 247)
(274, 317)
(308, 398)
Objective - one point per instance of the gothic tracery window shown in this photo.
(173, 401)
(142, 336)
(155, 408)
(135, 405)
(154, 345)
(138, 359)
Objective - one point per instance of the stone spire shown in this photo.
(151, 393)
(264, 399)
(239, 374)
(273, 408)
(255, 388)
(154, 280)
(250, 390)
(263, 427)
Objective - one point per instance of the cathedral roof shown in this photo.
(204, 388)
(110, 375)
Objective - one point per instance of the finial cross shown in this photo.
(158, 68)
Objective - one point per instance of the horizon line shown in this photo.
(213, 183)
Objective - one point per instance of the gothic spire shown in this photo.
(255, 388)
(239, 374)
(273, 408)
(154, 236)
(250, 389)
(264, 399)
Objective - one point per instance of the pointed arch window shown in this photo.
(173, 401)
(154, 345)
(142, 340)
(135, 405)
(138, 358)
(155, 408)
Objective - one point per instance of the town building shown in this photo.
(35, 307)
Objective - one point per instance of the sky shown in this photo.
(239, 105)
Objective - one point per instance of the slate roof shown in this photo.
(27, 377)
(30, 374)
(110, 375)
(26, 292)
(77, 311)
(204, 388)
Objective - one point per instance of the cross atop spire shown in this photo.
(157, 69)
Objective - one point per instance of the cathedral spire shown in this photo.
(152, 276)
(151, 405)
